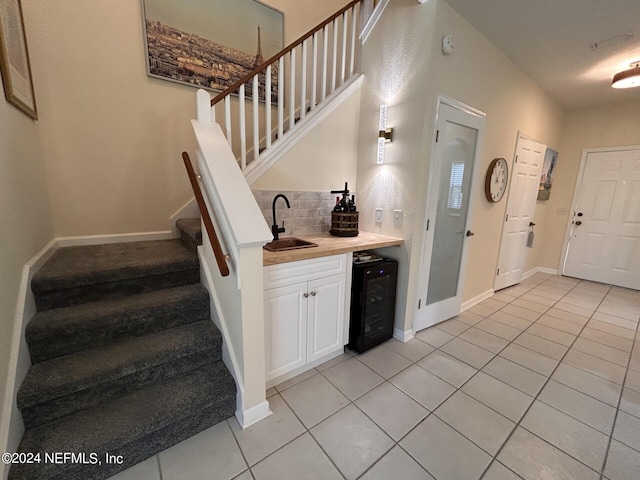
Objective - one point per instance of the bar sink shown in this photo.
(288, 243)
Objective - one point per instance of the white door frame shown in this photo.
(576, 189)
(423, 278)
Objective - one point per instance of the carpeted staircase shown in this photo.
(126, 360)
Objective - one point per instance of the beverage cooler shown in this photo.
(373, 301)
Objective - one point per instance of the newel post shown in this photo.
(204, 111)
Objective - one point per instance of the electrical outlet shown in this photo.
(397, 218)
(378, 215)
(561, 211)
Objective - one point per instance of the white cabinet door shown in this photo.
(286, 318)
(326, 316)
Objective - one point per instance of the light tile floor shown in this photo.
(540, 381)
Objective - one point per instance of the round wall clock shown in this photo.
(495, 184)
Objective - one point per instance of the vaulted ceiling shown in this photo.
(551, 41)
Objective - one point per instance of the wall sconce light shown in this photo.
(627, 78)
(385, 135)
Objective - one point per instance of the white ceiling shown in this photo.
(550, 41)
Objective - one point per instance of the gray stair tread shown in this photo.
(91, 316)
(88, 265)
(82, 370)
(192, 228)
(126, 420)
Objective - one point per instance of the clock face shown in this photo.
(496, 180)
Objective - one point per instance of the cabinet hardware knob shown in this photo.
(306, 295)
(313, 294)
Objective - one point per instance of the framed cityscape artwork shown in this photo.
(211, 43)
(14, 59)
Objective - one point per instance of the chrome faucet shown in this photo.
(274, 228)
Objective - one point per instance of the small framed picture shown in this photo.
(14, 59)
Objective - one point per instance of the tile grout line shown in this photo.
(518, 424)
(615, 418)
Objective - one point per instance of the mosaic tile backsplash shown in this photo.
(310, 212)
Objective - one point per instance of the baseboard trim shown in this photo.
(476, 300)
(403, 336)
(11, 426)
(81, 241)
(253, 415)
(533, 271)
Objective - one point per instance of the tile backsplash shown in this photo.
(310, 212)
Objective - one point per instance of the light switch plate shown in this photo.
(378, 215)
(397, 218)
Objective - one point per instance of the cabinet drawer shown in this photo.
(303, 270)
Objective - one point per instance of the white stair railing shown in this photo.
(295, 81)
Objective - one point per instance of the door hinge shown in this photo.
(516, 158)
(498, 272)
(507, 218)
(419, 303)
(428, 221)
(437, 135)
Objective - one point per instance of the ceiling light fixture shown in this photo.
(627, 78)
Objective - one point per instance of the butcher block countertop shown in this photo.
(330, 245)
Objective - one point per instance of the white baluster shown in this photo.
(243, 130)
(292, 89)
(334, 70)
(267, 105)
(344, 47)
(325, 37)
(227, 118)
(314, 72)
(280, 98)
(256, 119)
(354, 24)
(303, 86)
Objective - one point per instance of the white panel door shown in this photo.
(457, 148)
(521, 206)
(604, 243)
(285, 316)
(326, 316)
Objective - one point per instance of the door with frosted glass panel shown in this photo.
(448, 212)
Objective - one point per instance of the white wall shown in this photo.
(406, 69)
(25, 228)
(113, 136)
(604, 126)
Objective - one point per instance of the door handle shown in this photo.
(470, 233)
(578, 222)
(580, 214)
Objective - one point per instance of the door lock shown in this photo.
(578, 222)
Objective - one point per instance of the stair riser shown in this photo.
(189, 242)
(45, 412)
(136, 451)
(189, 311)
(102, 291)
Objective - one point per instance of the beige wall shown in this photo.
(112, 136)
(323, 160)
(607, 126)
(25, 225)
(477, 74)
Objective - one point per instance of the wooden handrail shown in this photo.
(277, 56)
(221, 258)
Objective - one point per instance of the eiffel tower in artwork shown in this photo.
(259, 59)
